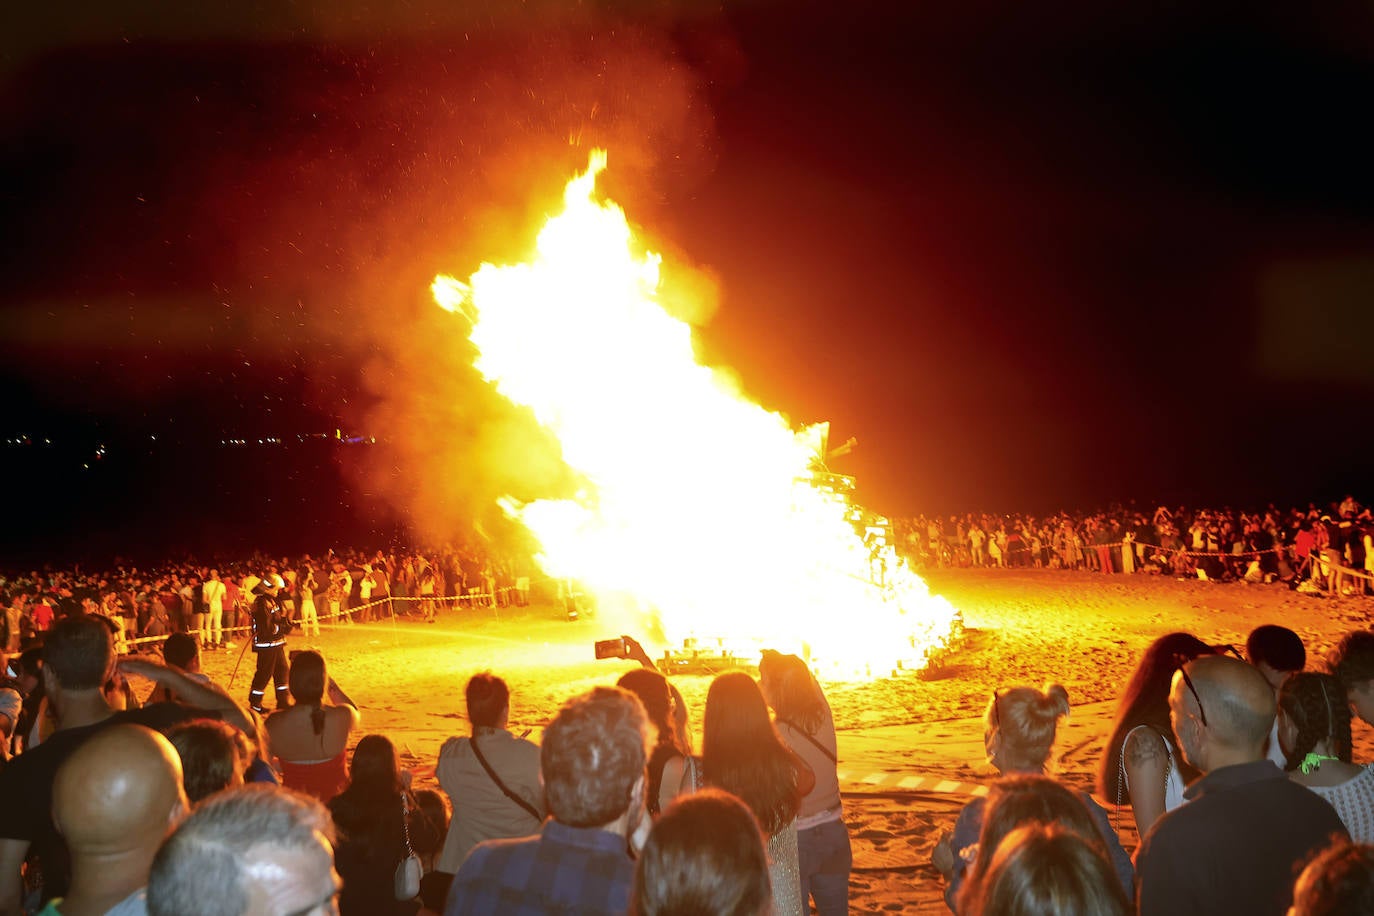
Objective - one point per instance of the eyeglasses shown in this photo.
(1201, 714)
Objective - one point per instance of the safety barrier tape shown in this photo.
(910, 783)
(476, 599)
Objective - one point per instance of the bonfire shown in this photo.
(726, 550)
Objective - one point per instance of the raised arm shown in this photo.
(208, 695)
(635, 652)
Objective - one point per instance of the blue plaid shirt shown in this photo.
(566, 870)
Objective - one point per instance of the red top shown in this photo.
(323, 780)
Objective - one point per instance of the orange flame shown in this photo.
(699, 506)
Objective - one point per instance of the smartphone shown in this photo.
(612, 648)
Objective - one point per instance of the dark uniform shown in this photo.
(271, 623)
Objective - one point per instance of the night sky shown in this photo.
(1030, 259)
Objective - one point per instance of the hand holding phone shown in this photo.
(612, 648)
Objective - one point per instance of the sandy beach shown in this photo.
(910, 747)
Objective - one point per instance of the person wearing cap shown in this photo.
(271, 623)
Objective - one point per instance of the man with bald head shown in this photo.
(114, 801)
(1247, 829)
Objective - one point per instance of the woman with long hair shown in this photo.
(1142, 765)
(1314, 732)
(309, 738)
(743, 754)
(669, 752)
(376, 816)
(804, 721)
(1019, 734)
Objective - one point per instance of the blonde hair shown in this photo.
(1026, 719)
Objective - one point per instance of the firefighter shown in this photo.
(271, 623)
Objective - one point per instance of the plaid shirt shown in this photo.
(561, 870)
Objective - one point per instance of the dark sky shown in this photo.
(1030, 259)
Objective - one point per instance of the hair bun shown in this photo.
(1058, 699)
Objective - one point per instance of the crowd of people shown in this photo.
(213, 601)
(1234, 764)
(1327, 549)
(188, 801)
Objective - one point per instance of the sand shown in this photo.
(910, 747)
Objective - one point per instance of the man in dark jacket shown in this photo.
(271, 623)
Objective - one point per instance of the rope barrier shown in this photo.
(473, 599)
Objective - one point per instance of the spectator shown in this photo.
(1234, 847)
(210, 757)
(376, 815)
(592, 762)
(704, 855)
(742, 754)
(213, 591)
(653, 691)
(114, 801)
(1017, 801)
(1314, 730)
(1352, 661)
(310, 738)
(804, 721)
(306, 583)
(1277, 652)
(1018, 735)
(500, 799)
(1141, 765)
(11, 705)
(248, 851)
(182, 652)
(434, 884)
(1046, 870)
(1338, 882)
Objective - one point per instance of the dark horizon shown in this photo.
(1029, 263)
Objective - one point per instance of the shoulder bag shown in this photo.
(406, 881)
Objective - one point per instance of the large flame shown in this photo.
(699, 506)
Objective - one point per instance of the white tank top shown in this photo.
(1173, 781)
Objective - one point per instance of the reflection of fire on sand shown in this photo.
(910, 747)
